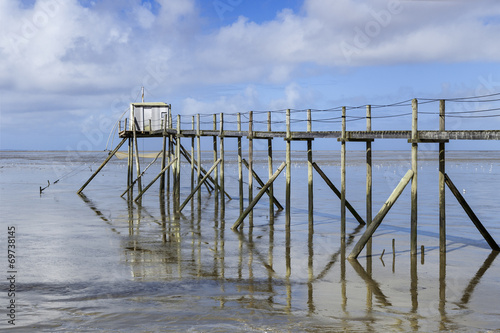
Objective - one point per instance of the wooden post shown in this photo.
(414, 167)
(170, 151)
(381, 214)
(342, 173)
(192, 154)
(288, 170)
(368, 167)
(240, 169)
(164, 157)
(216, 174)
(310, 170)
(270, 167)
(134, 130)
(491, 242)
(198, 157)
(102, 165)
(442, 171)
(177, 181)
(130, 162)
(221, 165)
(250, 163)
(258, 196)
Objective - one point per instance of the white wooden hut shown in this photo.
(148, 116)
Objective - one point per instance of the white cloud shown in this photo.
(58, 44)
(107, 50)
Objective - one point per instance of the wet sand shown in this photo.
(98, 262)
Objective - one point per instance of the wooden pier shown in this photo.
(175, 136)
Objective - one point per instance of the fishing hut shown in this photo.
(155, 120)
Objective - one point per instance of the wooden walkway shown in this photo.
(173, 151)
(423, 136)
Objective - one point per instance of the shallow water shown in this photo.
(98, 262)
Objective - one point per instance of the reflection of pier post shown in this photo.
(414, 293)
(477, 277)
(442, 290)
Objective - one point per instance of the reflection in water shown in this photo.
(475, 280)
(261, 269)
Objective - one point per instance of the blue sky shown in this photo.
(69, 68)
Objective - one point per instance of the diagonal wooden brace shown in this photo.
(381, 214)
(199, 185)
(155, 179)
(261, 183)
(257, 198)
(337, 192)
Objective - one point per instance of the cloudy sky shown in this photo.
(69, 68)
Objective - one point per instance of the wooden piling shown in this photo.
(369, 190)
(192, 154)
(170, 151)
(164, 156)
(198, 156)
(288, 170)
(240, 168)
(442, 171)
(310, 169)
(270, 168)
(216, 174)
(414, 167)
(250, 163)
(343, 174)
(177, 178)
(130, 162)
(221, 165)
(137, 163)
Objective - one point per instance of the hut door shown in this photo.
(147, 118)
